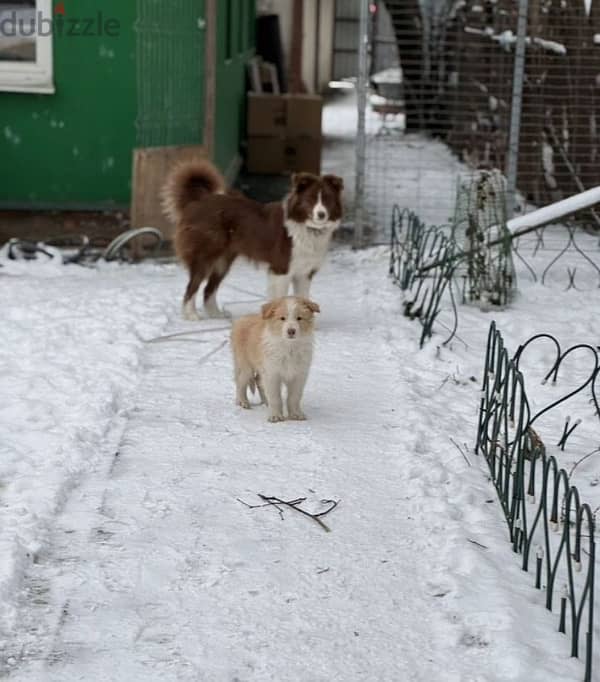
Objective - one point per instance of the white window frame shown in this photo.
(34, 77)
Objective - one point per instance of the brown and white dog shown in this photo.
(214, 226)
(272, 350)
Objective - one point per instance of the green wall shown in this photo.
(73, 148)
(145, 87)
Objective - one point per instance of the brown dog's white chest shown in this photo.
(309, 246)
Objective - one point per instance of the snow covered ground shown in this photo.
(126, 555)
(125, 552)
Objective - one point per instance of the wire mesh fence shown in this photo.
(443, 111)
(169, 41)
(558, 144)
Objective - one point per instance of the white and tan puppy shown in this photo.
(272, 350)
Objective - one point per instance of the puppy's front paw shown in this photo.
(298, 416)
(243, 403)
(274, 418)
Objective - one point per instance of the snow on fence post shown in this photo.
(361, 133)
(516, 108)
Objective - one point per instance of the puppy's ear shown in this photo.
(334, 181)
(302, 181)
(311, 305)
(268, 310)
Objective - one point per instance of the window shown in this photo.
(26, 46)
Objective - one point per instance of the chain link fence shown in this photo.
(441, 106)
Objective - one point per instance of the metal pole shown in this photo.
(361, 135)
(209, 26)
(515, 113)
(317, 64)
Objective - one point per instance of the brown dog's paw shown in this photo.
(243, 403)
(297, 416)
(274, 418)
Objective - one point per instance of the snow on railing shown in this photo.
(507, 39)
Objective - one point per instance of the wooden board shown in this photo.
(151, 166)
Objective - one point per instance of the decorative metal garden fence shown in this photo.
(422, 264)
(549, 525)
(478, 261)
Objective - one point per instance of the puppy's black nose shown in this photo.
(291, 332)
(321, 215)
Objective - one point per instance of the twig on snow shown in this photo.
(294, 505)
(271, 504)
(474, 542)
(442, 384)
(582, 459)
(460, 450)
(271, 501)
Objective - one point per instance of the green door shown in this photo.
(235, 44)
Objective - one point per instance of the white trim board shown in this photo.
(34, 77)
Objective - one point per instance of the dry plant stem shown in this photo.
(293, 505)
(272, 504)
(461, 451)
(270, 501)
(579, 461)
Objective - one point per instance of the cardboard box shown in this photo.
(303, 154)
(276, 154)
(291, 115)
(284, 133)
(304, 114)
(266, 155)
(267, 114)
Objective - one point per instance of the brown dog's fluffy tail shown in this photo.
(190, 181)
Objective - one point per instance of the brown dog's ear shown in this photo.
(268, 310)
(334, 181)
(311, 305)
(302, 181)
